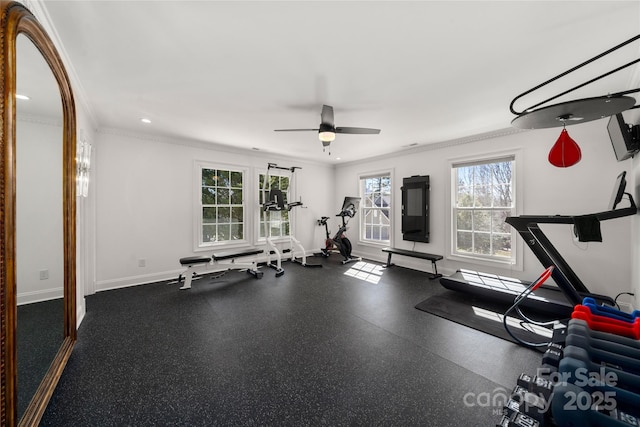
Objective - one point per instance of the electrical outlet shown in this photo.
(142, 263)
(44, 274)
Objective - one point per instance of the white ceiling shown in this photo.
(422, 71)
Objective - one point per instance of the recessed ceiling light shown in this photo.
(147, 121)
(338, 158)
(25, 97)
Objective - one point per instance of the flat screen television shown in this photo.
(618, 190)
(622, 138)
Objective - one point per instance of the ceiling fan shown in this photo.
(327, 130)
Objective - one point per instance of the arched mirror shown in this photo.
(37, 292)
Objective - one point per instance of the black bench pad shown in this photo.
(192, 260)
(217, 256)
(414, 254)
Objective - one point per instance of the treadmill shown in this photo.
(570, 290)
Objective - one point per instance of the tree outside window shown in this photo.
(222, 218)
(484, 198)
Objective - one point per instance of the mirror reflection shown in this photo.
(39, 219)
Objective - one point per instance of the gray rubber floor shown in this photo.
(313, 347)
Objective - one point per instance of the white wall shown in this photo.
(39, 225)
(584, 188)
(145, 203)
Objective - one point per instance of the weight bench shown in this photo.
(413, 254)
(218, 262)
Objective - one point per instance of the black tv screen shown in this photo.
(621, 139)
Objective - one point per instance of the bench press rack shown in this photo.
(218, 262)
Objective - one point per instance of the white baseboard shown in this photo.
(38, 296)
(124, 282)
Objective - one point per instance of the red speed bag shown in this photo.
(565, 152)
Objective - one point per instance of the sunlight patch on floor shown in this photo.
(366, 271)
(513, 322)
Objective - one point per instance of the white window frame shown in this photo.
(361, 223)
(515, 261)
(290, 196)
(199, 244)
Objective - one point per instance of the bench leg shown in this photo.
(188, 275)
(389, 260)
(435, 273)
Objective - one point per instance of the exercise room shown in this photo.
(320, 213)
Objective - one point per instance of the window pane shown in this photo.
(482, 243)
(209, 215)
(208, 177)
(223, 178)
(481, 221)
(208, 196)
(384, 233)
(284, 183)
(464, 197)
(369, 232)
(502, 196)
(236, 179)
(208, 233)
(237, 232)
(224, 215)
(236, 197)
(464, 220)
(223, 196)
(224, 232)
(464, 242)
(499, 226)
(237, 214)
(502, 246)
(482, 196)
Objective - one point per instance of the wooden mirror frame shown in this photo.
(16, 19)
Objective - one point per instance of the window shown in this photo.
(375, 208)
(278, 221)
(484, 196)
(221, 206)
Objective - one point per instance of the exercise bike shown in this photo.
(340, 241)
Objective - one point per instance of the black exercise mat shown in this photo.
(479, 314)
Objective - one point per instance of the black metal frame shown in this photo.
(595, 58)
(564, 276)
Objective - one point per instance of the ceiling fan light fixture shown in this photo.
(326, 136)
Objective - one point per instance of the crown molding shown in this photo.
(440, 145)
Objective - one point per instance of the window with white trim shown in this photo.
(483, 197)
(221, 218)
(277, 221)
(375, 208)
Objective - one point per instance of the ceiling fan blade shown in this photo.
(357, 130)
(326, 117)
(295, 130)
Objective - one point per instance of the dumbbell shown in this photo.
(517, 419)
(577, 367)
(530, 404)
(607, 353)
(581, 327)
(604, 324)
(606, 310)
(573, 406)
